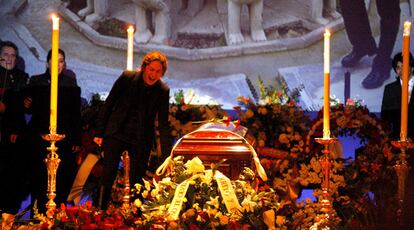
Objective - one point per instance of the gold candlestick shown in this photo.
(52, 163)
(127, 189)
(401, 168)
(325, 199)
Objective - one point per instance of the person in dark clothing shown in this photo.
(12, 128)
(360, 36)
(127, 121)
(391, 113)
(68, 123)
(391, 101)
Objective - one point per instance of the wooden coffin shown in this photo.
(214, 142)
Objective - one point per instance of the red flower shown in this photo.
(194, 227)
(89, 226)
(237, 123)
(88, 204)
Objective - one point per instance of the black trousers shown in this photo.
(14, 187)
(359, 31)
(113, 149)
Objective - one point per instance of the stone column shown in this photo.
(101, 11)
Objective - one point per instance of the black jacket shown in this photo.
(13, 82)
(391, 109)
(153, 102)
(69, 116)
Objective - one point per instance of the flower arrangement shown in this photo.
(203, 204)
(84, 217)
(186, 117)
(283, 136)
(276, 121)
(277, 128)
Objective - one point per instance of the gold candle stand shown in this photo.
(325, 200)
(401, 168)
(52, 163)
(127, 189)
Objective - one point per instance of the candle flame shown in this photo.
(327, 33)
(55, 20)
(130, 29)
(407, 28)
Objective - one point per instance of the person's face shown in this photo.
(61, 63)
(8, 57)
(399, 69)
(152, 73)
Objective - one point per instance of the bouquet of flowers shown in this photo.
(192, 197)
(185, 117)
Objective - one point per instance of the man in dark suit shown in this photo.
(391, 112)
(127, 121)
(391, 101)
(12, 127)
(360, 36)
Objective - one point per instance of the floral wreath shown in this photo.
(351, 180)
(350, 119)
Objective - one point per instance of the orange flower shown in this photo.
(249, 113)
(283, 138)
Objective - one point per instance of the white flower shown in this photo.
(213, 202)
(194, 166)
(262, 102)
(248, 205)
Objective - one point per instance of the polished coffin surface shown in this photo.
(214, 142)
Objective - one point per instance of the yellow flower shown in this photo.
(154, 193)
(145, 194)
(147, 184)
(138, 203)
(194, 166)
(138, 187)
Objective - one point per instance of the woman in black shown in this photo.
(68, 123)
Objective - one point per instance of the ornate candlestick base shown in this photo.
(325, 199)
(52, 163)
(127, 189)
(401, 168)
